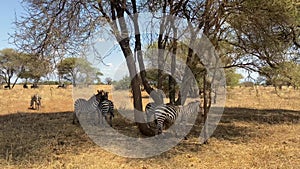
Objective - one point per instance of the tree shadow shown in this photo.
(261, 116)
(39, 136)
(237, 124)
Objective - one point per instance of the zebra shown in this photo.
(84, 106)
(169, 113)
(149, 109)
(106, 108)
(35, 102)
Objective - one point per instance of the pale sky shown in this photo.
(10, 9)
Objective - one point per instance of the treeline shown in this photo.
(31, 68)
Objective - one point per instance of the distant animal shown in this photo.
(35, 102)
(170, 113)
(7, 87)
(34, 86)
(62, 86)
(85, 106)
(25, 86)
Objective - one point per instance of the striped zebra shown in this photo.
(169, 113)
(85, 106)
(106, 108)
(35, 102)
(149, 109)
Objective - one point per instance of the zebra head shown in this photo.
(99, 95)
(104, 96)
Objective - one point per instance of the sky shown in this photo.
(8, 10)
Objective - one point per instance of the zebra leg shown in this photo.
(110, 121)
(38, 105)
(111, 115)
(98, 116)
(31, 103)
(107, 119)
(74, 117)
(159, 128)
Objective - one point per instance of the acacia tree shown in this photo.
(73, 69)
(287, 73)
(233, 27)
(10, 66)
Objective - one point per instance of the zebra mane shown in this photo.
(92, 98)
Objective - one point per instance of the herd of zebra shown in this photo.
(162, 113)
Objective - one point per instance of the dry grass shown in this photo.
(256, 131)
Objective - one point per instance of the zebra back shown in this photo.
(171, 112)
(164, 113)
(84, 106)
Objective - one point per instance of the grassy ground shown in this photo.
(257, 130)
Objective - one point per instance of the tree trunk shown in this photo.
(138, 52)
(121, 33)
(172, 82)
(15, 82)
(206, 103)
(136, 91)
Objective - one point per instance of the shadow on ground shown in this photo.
(43, 136)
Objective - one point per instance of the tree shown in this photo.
(232, 78)
(77, 70)
(285, 74)
(108, 80)
(123, 84)
(10, 65)
(34, 67)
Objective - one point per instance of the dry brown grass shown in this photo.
(256, 131)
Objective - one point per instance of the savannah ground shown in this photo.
(257, 130)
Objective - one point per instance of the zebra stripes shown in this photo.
(35, 102)
(85, 106)
(170, 113)
(106, 108)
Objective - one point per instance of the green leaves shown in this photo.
(78, 70)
